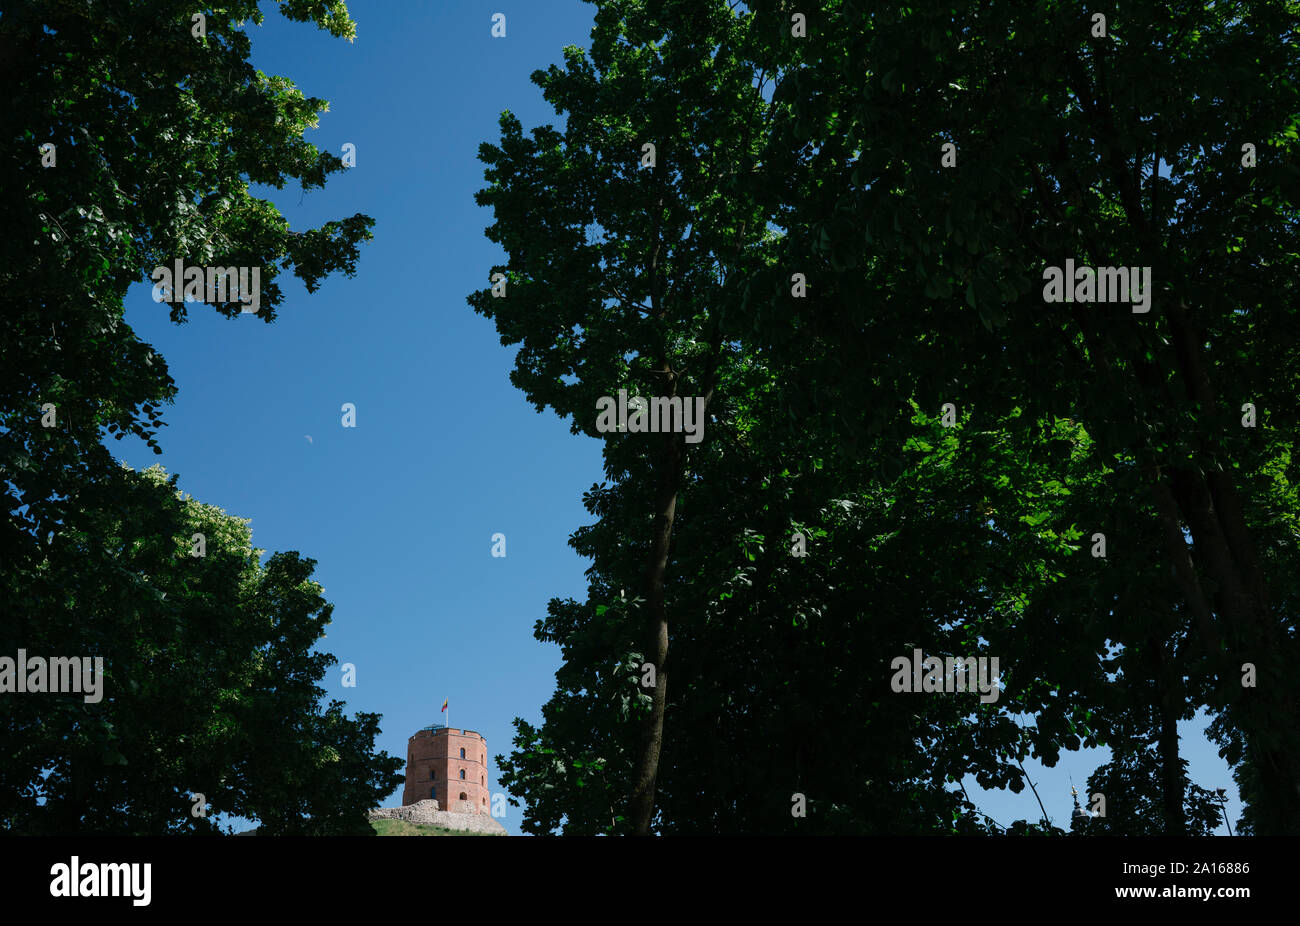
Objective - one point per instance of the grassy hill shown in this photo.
(402, 828)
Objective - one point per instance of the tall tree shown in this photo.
(625, 234)
(131, 139)
(733, 585)
(1069, 146)
(924, 271)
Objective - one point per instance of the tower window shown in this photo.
(462, 753)
(463, 797)
(433, 793)
(462, 774)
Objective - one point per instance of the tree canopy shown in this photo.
(132, 136)
(842, 242)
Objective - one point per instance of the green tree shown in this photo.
(157, 135)
(1070, 146)
(618, 276)
(924, 288)
(1135, 776)
(210, 680)
(761, 647)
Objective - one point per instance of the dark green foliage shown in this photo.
(158, 136)
(822, 156)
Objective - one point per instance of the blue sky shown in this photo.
(399, 511)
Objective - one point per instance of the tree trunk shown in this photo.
(1209, 503)
(1171, 772)
(670, 474)
(1213, 510)
(1169, 701)
(672, 466)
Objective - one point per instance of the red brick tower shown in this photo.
(449, 766)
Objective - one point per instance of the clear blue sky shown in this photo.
(399, 512)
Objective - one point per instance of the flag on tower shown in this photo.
(444, 704)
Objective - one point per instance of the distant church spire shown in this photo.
(1081, 815)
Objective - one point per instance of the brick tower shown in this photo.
(449, 766)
